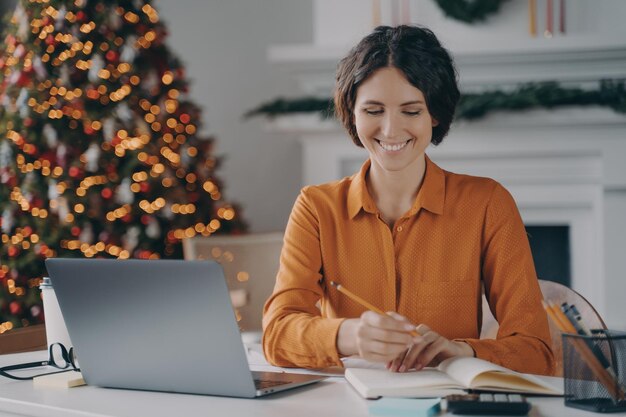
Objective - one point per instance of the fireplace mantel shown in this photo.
(571, 59)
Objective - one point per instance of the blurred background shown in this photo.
(543, 112)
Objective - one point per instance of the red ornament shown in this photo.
(144, 187)
(112, 56)
(43, 249)
(80, 16)
(185, 118)
(27, 231)
(23, 79)
(106, 193)
(88, 129)
(12, 251)
(74, 171)
(31, 150)
(15, 307)
(28, 122)
(50, 40)
(145, 219)
(75, 231)
(127, 218)
(48, 156)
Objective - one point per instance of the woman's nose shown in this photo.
(390, 125)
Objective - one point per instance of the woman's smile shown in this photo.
(393, 147)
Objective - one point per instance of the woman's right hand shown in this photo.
(375, 337)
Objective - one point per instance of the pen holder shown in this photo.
(594, 370)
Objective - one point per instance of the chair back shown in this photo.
(250, 263)
(553, 292)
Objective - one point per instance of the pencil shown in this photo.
(581, 329)
(581, 347)
(363, 302)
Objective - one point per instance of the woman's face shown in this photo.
(392, 120)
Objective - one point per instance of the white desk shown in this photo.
(333, 397)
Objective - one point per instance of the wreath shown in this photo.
(469, 11)
(472, 106)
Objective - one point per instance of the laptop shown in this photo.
(159, 325)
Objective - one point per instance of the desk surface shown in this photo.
(333, 397)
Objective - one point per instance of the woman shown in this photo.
(407, 236)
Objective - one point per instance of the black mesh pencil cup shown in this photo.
(594, 369)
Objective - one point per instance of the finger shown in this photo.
(386, 322)
(368, 332)
(395, 364)
(429, 353)
(374, 357)
(412, 359)
(408, 360)
(422, 329)
(389, 350)
(398, 317)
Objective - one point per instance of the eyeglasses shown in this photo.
(59, 358)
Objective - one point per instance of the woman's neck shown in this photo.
(395, 191)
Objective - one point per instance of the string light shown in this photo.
(163, 146)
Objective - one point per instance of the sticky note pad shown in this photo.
(69, 379)
(405, 407)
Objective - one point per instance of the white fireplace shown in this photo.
(564, 167)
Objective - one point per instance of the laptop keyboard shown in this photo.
(268, 383)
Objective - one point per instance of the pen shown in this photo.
(582, 330)
(565, 308)
(590, 359)
(579, 318)
(361, 301)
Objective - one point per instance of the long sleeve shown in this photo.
(461, 232)
(512, 290)
(295, 333)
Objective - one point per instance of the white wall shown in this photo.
(223, 44)
(509, 24)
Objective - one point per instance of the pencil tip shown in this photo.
(333, 283)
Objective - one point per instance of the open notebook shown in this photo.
(452, 376)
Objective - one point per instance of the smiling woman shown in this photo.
(393, 122)
(406, 236)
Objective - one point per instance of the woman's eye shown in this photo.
(412, 113)
(373, 112)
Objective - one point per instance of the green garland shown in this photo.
(469, 11)
(610, 93)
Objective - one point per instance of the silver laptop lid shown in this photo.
(163, 325)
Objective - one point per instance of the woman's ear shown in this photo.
(435, 122)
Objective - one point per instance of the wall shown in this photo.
(501, 52)
(509, 24)
(223, 46)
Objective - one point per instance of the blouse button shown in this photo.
(399, 228)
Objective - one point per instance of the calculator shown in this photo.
(488, 404)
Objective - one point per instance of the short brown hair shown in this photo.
(418, 54)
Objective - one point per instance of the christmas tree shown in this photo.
(100, 154)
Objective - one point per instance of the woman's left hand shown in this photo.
(427, 347)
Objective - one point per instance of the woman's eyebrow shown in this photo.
(378, 103)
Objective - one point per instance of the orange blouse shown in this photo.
(460, 233)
